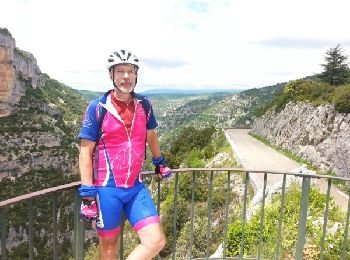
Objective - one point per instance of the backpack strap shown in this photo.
(145, 104)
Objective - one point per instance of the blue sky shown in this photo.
(181, 44)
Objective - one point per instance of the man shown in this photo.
(111, 157)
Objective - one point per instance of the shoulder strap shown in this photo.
(145, 104)
(101, 115)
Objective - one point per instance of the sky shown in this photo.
(183, 44)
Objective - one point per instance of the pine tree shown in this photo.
(336, 70)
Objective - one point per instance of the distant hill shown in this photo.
(90, 95)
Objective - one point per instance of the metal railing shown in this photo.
(79, 230)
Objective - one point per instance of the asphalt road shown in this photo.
(253, 154)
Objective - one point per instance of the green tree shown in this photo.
(336, 69)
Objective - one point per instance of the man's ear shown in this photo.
(111, 74)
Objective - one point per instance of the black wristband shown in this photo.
(87, 202)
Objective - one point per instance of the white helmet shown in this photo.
(121, 57)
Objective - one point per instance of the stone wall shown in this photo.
(319, 134)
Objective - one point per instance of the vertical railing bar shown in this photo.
(325, 219)
(30, 232)
(210, 198)
(158, 197)
(302, 218)
(279, 236)
(54, 223)
(3, 233)
(175, 214)
(121, 238)
(227, 203)
(346, 230)
(79, 229)
(192, 211)
(244, 213)
(262, 215)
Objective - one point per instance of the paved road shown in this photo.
(252, 154)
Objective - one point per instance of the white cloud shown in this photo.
(188, 44)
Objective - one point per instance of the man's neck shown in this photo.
(121, 96)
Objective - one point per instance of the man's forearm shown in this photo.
(85, 166)
(153, 143)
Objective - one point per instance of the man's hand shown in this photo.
(161, 168)
(88, 210)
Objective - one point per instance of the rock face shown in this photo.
(18, 69)
(320, 134)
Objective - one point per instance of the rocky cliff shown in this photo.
(38, 116)
(17, 69)
(319, 134)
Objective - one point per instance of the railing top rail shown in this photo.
(37, 194)
(72, 185)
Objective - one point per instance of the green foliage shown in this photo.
(341, 98)
(336, 69)
(313, 92)
(290, 226)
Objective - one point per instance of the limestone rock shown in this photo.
(318, 134)
(18, 70)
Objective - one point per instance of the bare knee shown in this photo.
(156, 242)
(107, 247)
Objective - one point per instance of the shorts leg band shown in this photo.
(145, 222)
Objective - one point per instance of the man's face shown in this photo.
(124, 77)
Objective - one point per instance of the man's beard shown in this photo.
(126, 89)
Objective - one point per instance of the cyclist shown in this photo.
(110, 161)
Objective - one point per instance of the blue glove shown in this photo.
(161, 168)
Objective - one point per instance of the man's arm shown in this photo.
(153, 143)
(85, 161)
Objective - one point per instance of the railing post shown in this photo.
(346, 232)
(303, 218)
(227, 204)
(244, 213)
(210, 198)
(262, 215)
(3, 233)
(54, 223)
(79, 231)
(278, 244)
(325, 219)
(193, 190)
(175, 214)
(30, 231)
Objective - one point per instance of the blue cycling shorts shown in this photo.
(136, 202)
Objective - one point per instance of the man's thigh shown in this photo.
(110, 209)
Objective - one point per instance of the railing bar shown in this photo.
(79, 230)
(345, 241)
(279, 236)
(3, 233)
(302, 218)
(227, 202)
(158, 197)
(325, 219)
(121, 238)
(38, 194)
(175, 214)
(244, 213)
(192, 211)
(54, 222)
(210, 200)
(262, 215)
(30, 232)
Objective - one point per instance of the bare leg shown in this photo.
(108, 248)
(152, 241)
